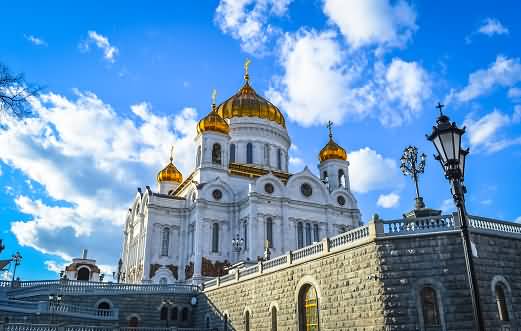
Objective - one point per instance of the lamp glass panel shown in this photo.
(448, 144)
(457, 144)
(463, 156)
(437, 143)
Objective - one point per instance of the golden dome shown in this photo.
(332, 150)
(213, 122)
(247, 103)
(169, 174)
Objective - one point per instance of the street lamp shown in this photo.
(411, 167)
(54, 301)
(446, 137)
(17, 259)
(237, 244)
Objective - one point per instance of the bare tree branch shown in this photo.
(14, 93)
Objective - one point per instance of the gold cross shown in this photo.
(246, 65)
(330, 126)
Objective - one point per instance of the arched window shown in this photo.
(308, 234)
(83, 274)
(267, 154)
(341, 178)
(173, 314)
(316, 236)
(133, 322)
(198, 157)
(247, 321)
(274, 319)
(269, 232)
(165, 241)
(215, 238)
(163, 281)
(308, 309)
(232, 153)
(279, 159)
(249, 153)
(164, 313)
(207, 322)
(184, 314)
(104, 308)
(300, 235)
(431, 316)
(501, 303)
(245, 235)
(216, 154)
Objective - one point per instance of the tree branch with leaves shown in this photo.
(15, 93)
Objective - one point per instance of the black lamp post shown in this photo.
(446, 137)
(17, 260)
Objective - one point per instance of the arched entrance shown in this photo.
(133, 322)
(83, 274)
(308, 309)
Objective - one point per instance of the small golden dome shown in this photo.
(169, 174)
(247, 103)
(213, 121)
(332, 150)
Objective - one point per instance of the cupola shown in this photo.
(332, 150)
(213, 121)
(169, 178)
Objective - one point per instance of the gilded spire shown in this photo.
(246, 67)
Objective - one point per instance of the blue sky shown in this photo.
(124, 81)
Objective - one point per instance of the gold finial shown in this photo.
(246, 66)
(172, 154)
(330, 126)
(214, 95)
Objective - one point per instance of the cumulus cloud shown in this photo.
(491, 27)
(447, 206)
(516, 116)
(102, 42)
(390, 200)
(89, 160)
(370, 171)
(320, 83)
(372, 22)
(247, 21)
(514, 93)
(503, 72)
(484, 133)
(35, 40)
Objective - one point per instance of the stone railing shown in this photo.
(307, 251)
(248, 271)
(74, 310)
(488, 224)
(72, 287)
(273, 263)
(406, 226)
(349, 236)
(60, 327)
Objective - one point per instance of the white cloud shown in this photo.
(35, 40)
(7, 275)
(90, 160)
(492, 26)
(516, 116)
(447, 206)
(369, 171)
(503, 72)
(55, 266)
(320, 83)
(372, 22)
(514, 93)
(247, 21)
(483, 133)
(518, 220)
(102, 42)
(390, 200)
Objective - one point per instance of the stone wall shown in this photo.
(376, 286)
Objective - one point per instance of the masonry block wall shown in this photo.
(376, 286)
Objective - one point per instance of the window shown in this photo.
(300, 235)
(164, 314)
(163, 281)
(198, 157)
(247, 321)
(173, 314)
(225, 328)
(341, 178)
(316, 236)
(83, 274)
(207, 322)
(269, 232)
(133, 322)
(232, 153)
(104, 308)
(215, 238)
(308, 234)
(267, 154)
(308, 309)
(279, 159)
(501, 303)
(249, 153)
(216, 154)
(165, 241)
(245, 235)
(274, 319)
(430, 307)
(184, 314)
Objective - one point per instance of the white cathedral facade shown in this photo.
(240, 189)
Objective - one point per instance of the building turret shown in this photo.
(333, 164)
(169, 178)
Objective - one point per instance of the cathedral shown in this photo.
(239, 200)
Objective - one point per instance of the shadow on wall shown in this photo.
(208, 317)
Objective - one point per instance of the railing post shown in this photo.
(325, 246)
(237, 276)
(289, 258)
(376, 227)
(260, 267)
(218, 281)
(455, 217)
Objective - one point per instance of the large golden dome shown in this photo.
(213, 122)
(169, 174)
(247, 103)
(332, 150)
